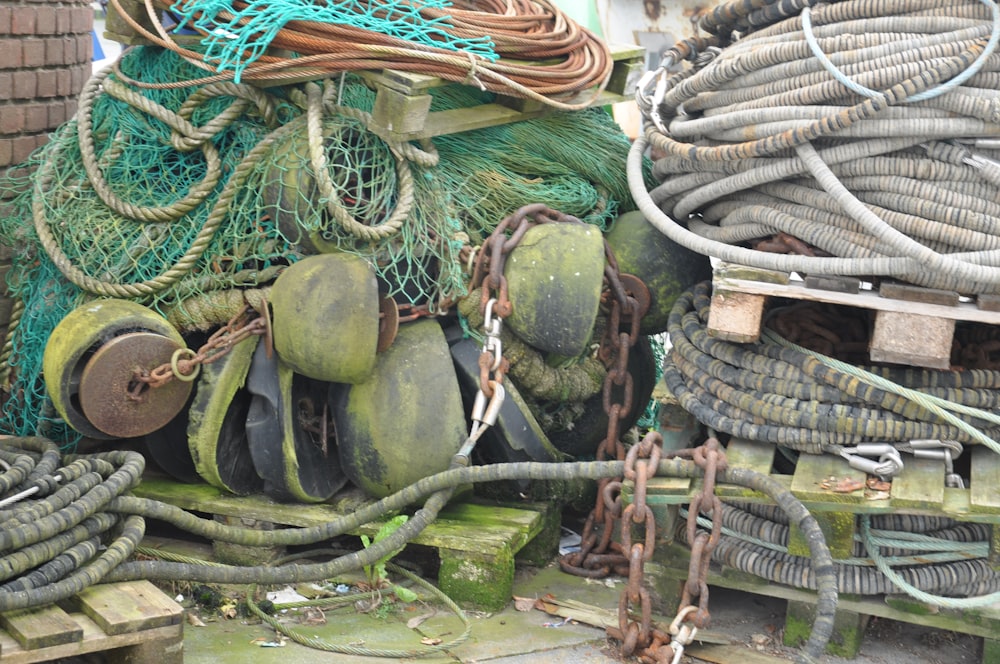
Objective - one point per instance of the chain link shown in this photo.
(185, 363)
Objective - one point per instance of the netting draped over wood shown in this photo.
(179, 198)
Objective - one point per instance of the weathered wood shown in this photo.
(865, 299)
(915, 339)
(839, 284)
(817, 476)
(921, 484)
(751, 454)
(402, 103)
(736, 316)
(128, 607)
(984, 481)
(475, 542)
(911, 293)
(848, 628)
(42, 627)
(125, 621)
(838, 530)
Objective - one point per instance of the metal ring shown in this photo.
(175, 358)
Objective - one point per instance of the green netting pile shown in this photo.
(177, 197)
(237, 36)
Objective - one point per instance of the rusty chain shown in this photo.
(245, 324)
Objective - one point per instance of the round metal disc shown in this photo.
(108, 378)
(388, 322)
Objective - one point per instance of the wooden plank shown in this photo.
(916, 339)
(40, 628)
(133, 606)
(816, 475)
(751, 454)
(866, 299)
(921, 484)
(735, 316)
(918, 294)
(94, 640)
(984, 481)
(455, 528)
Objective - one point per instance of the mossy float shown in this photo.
(89, 365)
(406, 421)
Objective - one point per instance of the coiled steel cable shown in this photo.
(125, 471)
(545, 55)
(776, 394)
(756, 132)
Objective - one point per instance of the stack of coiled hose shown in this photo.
(770, 392)
(853, 138)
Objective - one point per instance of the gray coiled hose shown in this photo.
(761, 139)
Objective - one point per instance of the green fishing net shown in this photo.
(173, 218)
(237, 35)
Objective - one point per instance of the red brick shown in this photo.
(55, 50)
(33, 53)
(64, 83)
(56, 113)
(37, 116)
(12, 120)
(84, 49)
(10, 53)
(25, 84)
(45, 21)
(22, 21)
(24, 146)
(47, 83)
(6, 85)
(83, 20)
(6, 152)
(5, 20)
(79, 76)
(64, 19)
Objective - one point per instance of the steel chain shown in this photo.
(245, 324)
(669, 646)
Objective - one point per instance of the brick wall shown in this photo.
(46, 51)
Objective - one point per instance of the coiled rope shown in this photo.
(544, 55)
(887, 166)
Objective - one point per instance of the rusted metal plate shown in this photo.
(109, 377)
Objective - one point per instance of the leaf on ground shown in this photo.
(428, 641)
(524, 603)
(417, 621)
(194, 620)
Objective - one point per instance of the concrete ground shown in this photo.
(746, 629)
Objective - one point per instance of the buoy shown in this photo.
(326, 317)
(291, 433)
(406, 421)
(216, 431)
(665, 267)
(90, 362)
(516, 436)
(554, 277)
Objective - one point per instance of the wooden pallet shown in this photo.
(127, 622)
(920, 489)
(913, 325)
(403, 100)
(476, 541)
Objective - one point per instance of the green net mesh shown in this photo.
(238, 35)
(264, 210)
